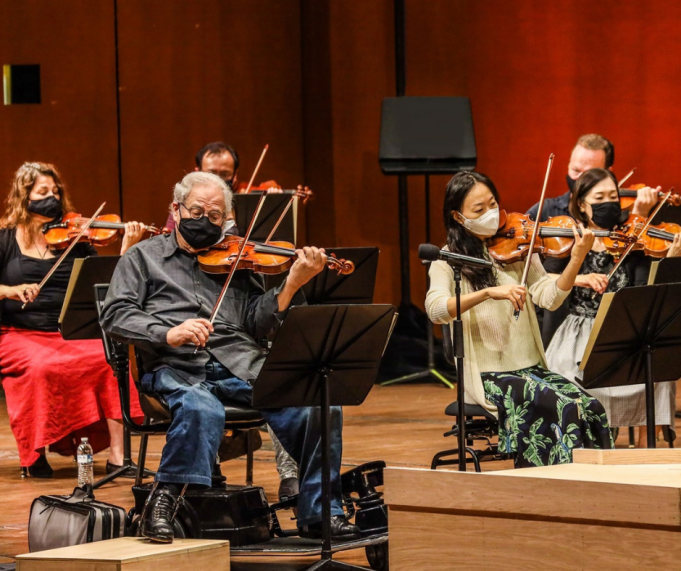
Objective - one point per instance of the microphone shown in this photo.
(432, 253)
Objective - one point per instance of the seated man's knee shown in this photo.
(203, 408)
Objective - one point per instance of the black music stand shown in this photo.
(325, 355)
(665, 271)
(79, 318)
(424, 136)
(635, 340)
(244, 209)
(329, 287)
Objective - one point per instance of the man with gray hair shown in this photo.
(159, 300)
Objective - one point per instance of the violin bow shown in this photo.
(281, 218)
(630, 247)
(251, 225)
(626, 178)
(305, 192)
(66, 252)
(257, 168)
(535, 231)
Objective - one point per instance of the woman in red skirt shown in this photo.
(56, 390)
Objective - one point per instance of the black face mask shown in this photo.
(606, 214)
(201, 233)
(49, 207)
(571, 182)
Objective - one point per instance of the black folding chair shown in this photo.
(481, 425)
(156, 412)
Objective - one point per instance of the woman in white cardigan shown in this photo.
(542, 416)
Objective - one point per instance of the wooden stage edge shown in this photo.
(588, 516)
(401, 424)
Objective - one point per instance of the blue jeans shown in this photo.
(197, 426)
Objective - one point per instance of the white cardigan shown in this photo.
(502, 344)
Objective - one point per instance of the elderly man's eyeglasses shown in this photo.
(215, 216)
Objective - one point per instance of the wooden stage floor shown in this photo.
(402, 425)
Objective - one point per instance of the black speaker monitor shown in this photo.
(426, 135)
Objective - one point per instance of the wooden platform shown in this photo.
(130, 554)
(578, 516)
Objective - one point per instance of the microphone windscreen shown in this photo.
(429, 252)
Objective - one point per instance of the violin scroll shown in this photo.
(343, 267)
(304, 193)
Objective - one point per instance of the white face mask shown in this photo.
(485, 226)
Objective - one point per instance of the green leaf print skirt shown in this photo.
(543, 416)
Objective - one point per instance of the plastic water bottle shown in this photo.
(85, 463)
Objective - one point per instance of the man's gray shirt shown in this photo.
(157, 286)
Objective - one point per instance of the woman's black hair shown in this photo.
(586, 181)
(459, 239)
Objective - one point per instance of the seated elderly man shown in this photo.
(160, 301)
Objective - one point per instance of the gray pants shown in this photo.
(286, 466)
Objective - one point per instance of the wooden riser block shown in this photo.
(589, 517)
(627, 456)
(131, 554)
(442, 542)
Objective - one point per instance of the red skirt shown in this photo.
(58, 391)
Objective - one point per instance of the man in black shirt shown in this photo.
(160, 300)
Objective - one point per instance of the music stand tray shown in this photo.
(635, 340)
(244, 208)
(79, 318)
(325, 355)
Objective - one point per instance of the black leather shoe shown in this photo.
(158, 521)
(39, 469)
(341, 529)
(288, 488)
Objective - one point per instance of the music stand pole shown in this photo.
(457, 344)
(650, 398)
(326, 472)
(324, 355)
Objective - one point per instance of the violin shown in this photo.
(270, 258)
(243, 187)
(656, 240)
(628, 196)
(300, 191)
(555, 238)
(102, 232)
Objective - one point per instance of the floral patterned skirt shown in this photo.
(543, 416)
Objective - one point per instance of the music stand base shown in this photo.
(328, 564)
(425, 374)
(125, 471)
